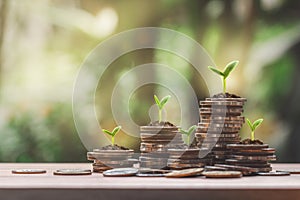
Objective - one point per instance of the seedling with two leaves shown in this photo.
(253, 126)
(228, 69)
(188, 134)
(112, 133)
(160, 104)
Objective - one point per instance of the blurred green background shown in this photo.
(43, 43)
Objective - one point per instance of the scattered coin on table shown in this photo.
(291, 171)
(145, 172)
(185, 173)
(222, 174)
(273, 173)
(120, 172)
(72, 172)
(29, 171)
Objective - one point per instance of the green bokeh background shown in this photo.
(43, 43)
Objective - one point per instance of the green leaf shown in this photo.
(107, 132)
(250, 124)
(192, 129)
(164, 101)
(216, 70)
(257, 123)
(157, 101)
(184, 132)
(116, 130)
(229, 67)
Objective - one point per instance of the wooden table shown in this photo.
(48, 186)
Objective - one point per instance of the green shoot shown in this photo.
(112, 133)
(160, 105)
(228, 69)
(253, 127)
(188, 134)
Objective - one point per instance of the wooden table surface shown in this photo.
(48, 186)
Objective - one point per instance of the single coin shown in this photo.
(147, 172)
(149, 175)
(291, 171)
(120, 172)
(226, 99)
(262, 158)
(238, 168)
(273, 173)
(247, 146)
(221, 103)
(72, 172)
(222, 174)
(214, 168)
(185, 173)
(28, 171)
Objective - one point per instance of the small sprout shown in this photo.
(253, 127)
(160, 105)
(228, 69)
(188, 134)
(112, 133)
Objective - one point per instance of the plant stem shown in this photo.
(224, 85)
(252, 136)
(113, 140)
(188, 140)
(159, 115)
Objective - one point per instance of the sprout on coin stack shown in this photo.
(187, 155)
(111, 156)
(252, 152)
(157, 138)
(221, 119)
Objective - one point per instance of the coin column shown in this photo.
(256, 156)
(220, 122)
(109, 159)
(155, 142)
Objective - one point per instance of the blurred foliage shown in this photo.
(43, 43)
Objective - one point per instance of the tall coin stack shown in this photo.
(155, 142)
(221, 121)
(255, 156)
(109, 159)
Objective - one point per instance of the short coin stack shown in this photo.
(187, 158)
(109, 159)
(255, 156)
(155, 142)
(220, 124)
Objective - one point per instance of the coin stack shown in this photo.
(155, 142)
(187, 158)
(221, 121)
(109, 159)
(256, 156)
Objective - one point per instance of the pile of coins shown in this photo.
(257, 156)
(187, 158)
(155, 142)
(109, 159)
(221, 121)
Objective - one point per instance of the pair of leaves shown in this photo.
(189, 131)
(229, 67)
(255, 124)
(162, 102)
(113, 132)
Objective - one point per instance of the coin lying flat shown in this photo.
(291, 171)
(121, 172)
(185, 173)
(144, 172)
(247, 146)
(222, 174)
(28, 171)
(272, 173)
(72, 172)
(244, 170)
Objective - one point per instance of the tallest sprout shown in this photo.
(229, 67)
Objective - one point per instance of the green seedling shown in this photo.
(253, 126)
(112, 133)
(228, 69)
(160, 104)
(188, 134)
